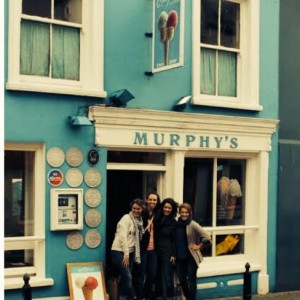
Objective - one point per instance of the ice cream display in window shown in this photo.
(167, 24)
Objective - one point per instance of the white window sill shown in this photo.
(209, 268)
(55, 89)
(227, 104)
(17, 283)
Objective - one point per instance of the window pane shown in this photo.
(18, 258)
(68, 10)
(37, 8)
(229, 244)
(136, 157)
(230, 201)
(66, 53)
(209, 21)
(197, 189)
(227, 73)
(208, 71)
(35, 44)
(19, 183)
(230, 23)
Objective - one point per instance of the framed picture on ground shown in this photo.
(86, 281)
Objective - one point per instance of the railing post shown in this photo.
(247, 283)
(26, 289)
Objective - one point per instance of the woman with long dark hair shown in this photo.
(165, 229)
(144, 274)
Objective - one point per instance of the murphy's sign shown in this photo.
(184, 140)
(142, 139)
(145, 129)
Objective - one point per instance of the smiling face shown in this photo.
(151, 201)
(136, 210)
(184, 213)
(167, 209)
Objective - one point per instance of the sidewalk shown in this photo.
(272, 296)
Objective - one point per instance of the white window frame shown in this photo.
(256, 209)
(247, 61)
(91, 55)
(13, 277)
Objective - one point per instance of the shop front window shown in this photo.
(215, 188)
(24, 212)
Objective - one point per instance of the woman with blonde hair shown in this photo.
(125, 248)
(191, 238)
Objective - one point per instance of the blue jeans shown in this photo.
(144, 274)
(125, 284)
(151, 266)
(165, 274)
(186, 272)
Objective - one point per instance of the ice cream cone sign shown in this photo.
(167, 24)
(87, 285)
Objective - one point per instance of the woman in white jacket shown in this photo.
(190, 239)
(126, 247)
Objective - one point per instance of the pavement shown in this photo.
(295, 295)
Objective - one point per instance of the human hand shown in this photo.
(172, 260)
(194, 247)
(125, 261)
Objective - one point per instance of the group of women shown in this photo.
(151, 244)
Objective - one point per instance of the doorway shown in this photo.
(130, 175)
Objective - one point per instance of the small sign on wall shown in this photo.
(168, 34)
(86, 281)
(66, 209)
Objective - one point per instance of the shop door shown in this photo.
(123, 186)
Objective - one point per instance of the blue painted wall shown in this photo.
(38, 117)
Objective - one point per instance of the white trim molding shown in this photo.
(137, 128)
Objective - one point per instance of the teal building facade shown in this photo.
(106, 101)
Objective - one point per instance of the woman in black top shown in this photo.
(145, 273)
(165, 227)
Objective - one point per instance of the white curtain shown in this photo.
(218, 72)
(35, 50)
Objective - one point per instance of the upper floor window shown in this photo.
(225, 58)
(56, 46)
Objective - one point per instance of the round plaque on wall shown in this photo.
(55, 157)
(55, 177)
(74, 177)
(92, 238)
(92, 177)
(92, 197)
(74, 240)
(92, 218)
(74, 157)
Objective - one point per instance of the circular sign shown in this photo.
(55, 177)
(92, 218)
(92, 177)
(92, 197)
(93, 157)
(92, 238)
(74, 177)
(55, 157)
(74, 157)
(74, 240)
